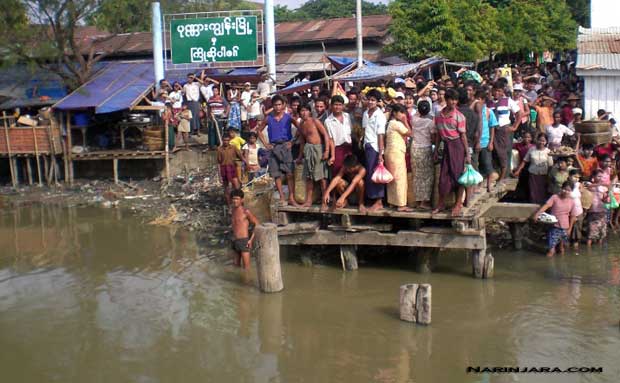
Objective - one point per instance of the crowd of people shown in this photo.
(507, 122)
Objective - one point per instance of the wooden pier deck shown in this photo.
(420, 229)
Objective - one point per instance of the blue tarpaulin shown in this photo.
(369, 73)
(340, 62)
(120, 85)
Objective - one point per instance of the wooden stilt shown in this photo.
(36, 154)
(349, 256)
(416, 303)
(482, 264)
(46, 170)
(8, 149)
(167, 151)
(69, 147)
(268, 258)
(115, 168)
(516, 231)
(28, 165)
(53, 165)
(423, 258)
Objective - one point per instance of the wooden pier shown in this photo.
(421, 230)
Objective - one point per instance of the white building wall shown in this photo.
(601, 92)
(604, 13)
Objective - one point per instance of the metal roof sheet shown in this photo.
(598, 48)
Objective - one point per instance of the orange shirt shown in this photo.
(587, 165)
(545, 117)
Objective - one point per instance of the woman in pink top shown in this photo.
(561, 205)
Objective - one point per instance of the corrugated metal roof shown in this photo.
(598, 48)
(302, 32)
(29, 87)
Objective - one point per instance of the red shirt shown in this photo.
(450, 125)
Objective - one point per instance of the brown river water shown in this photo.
(96, 295)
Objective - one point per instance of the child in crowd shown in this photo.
(237, 142)
(250, 153)
(226, 156)
(585, 158)
(349, 178)
(314, 150)
(242, 218)
(558, 175)
(184, 117)
(578, 212)
(597, 215)
(562, 207)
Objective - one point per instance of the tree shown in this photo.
(327, 9)
(580, 9)
(50, 39)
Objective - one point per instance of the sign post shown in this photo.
(213, 39)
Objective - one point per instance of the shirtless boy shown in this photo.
(350, 178)
(242, 218)
(314, 150)
(226, 156)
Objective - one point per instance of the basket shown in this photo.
(596, 138)
(595, 126)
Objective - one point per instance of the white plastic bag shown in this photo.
(382, 175)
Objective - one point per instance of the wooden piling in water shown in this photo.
(349, 257)
(483, 264)
(416, 303)
(268, 258)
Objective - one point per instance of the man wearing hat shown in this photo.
(567, 110)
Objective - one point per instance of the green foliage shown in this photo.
(472, 29)
(326, 9)
(120, 16)
(580, 9)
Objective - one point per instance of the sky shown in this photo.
(292, 4)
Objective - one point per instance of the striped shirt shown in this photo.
(450, 125)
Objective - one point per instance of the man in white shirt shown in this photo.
(338, 125)
(373, 122)
(504, 107)
(246, 99)
(264, 86)
(192, 98)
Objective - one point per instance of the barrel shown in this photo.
(592, 126)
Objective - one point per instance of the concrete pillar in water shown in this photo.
(268, 258)
(516, 231)
(416, 303)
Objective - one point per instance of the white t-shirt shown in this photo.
(254, 111)
(339, 132)
(264, 88)
(555, 134)
(373, 126)
(207, 91)
(192, 91)
(503, 112)
(176, 98)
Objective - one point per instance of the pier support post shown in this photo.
(348, 253)
(416, 303)
(425, 259)
(483, 264)
(268, 258)
(516, 231)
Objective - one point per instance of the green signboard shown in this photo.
(213, 39)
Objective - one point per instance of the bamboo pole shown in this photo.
(53, 165)
(8, 149)
(66, 150)
(69, 147)
(36, 153)
(166, 130)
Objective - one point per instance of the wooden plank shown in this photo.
(299, 228)
(449, 230)
(148, 107)
(374, 238)
(364, 227)
(115, 169)
(391, 213)
(511, 212)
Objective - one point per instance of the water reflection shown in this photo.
(97, 295)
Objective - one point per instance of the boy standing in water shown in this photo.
(242, 218)
(226, 156)
(314, 148)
